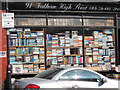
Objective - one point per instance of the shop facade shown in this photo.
(57, 34)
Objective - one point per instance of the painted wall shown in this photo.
(3, 47)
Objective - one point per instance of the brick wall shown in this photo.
(3, 47)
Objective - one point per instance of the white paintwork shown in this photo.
(56, 83)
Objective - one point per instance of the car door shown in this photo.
(83, 79)
(63, 81)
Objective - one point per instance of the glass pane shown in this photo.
(64, 22)
(30, 21)
(98, 22)
(64, 77)
(82, 74)
(64, 46)
(99, 49)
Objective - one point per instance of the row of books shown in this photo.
(34, 42)
(27, 59)
(73, 59)
(27, 50)
(96, 51)
(28, 42)
(64, 40)
(99, 59)
(25, 34)
(27, 68)
(66, 51)
(54, 60)
(101, 67)
(17, 42)
(99, 39)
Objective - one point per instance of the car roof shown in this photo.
(73, 67)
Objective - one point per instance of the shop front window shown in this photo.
(98, 22)
(30, 21)
(64, 22)
(99, 46)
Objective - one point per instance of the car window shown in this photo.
(49, 74)
(82, 75)
(64, 77)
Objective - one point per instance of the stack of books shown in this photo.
(33, 34)
(36, 68)
(30, 68)
(55, 41)
(36, 58)
(67, 38)
(32, 42)
(27, 34)
(62, 41)
(40, 41)
(36, 50)
(13, 35)
(39, 33)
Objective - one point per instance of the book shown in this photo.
(33, 34)
(109, 38)
(36, 50)
(17, 69)
(95, 58)
(36, 58)
(54, 60)
(40, 41)
(36, 68)
(27, 59)
(95, 51)
(27, 34)
(30, 68)
(67, 51)
(39, 33)
(88, 51)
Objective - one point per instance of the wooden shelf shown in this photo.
(28, 46)
(19, 54)
(62, 47)
(24, 73)
(73, 55)
(55, 56)
(28, 63)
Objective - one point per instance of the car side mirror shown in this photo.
(101, 81)
(104, 80)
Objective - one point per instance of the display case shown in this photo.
(27, 50)
(64, 47)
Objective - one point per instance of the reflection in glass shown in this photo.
(64, 22)
(30, 21)
(98, 22)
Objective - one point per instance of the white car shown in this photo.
(67, 77)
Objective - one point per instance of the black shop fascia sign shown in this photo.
(65, 6)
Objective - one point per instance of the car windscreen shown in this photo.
(49, 74)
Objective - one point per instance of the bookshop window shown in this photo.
(30, 21)
(98, 22)
(27, 51)
(99, 48)
(64, 46)
(64, 22)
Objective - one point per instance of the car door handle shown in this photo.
(75, 86)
